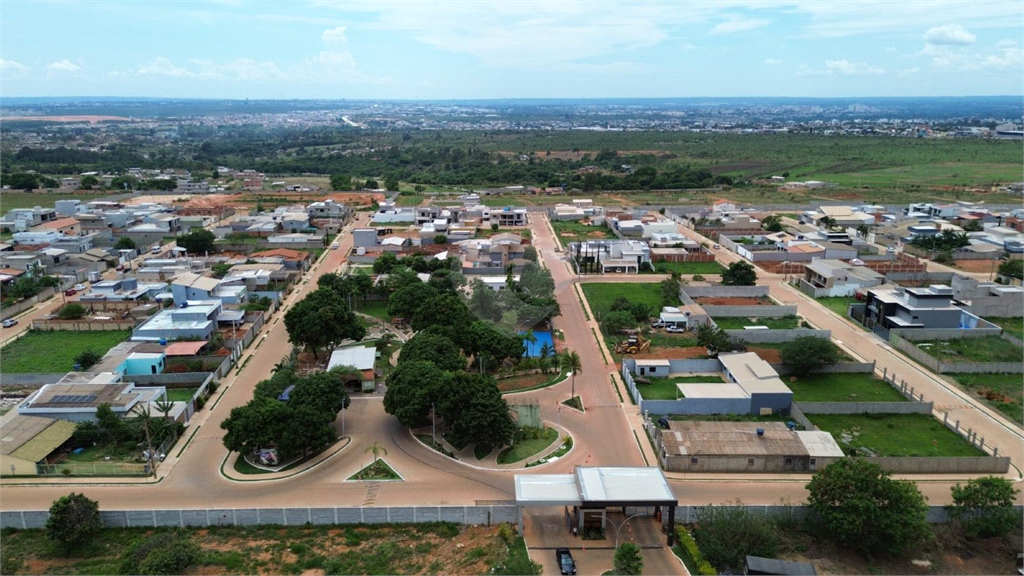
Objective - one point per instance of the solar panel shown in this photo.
(72, 398)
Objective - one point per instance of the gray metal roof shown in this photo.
(772, 566)
(594, 484)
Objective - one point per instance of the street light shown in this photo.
(620, 527)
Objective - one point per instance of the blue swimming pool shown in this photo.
(533, 348)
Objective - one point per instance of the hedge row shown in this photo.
(689, 547)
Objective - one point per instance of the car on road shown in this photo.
(717, 246)
(334, 245)
(80, 287)
(9, 322)
(566, 564)
(70, 292)
(675, 330)
(154, 250)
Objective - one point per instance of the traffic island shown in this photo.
(575, 403)
(376, 471)
(236, 467)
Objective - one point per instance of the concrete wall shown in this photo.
(32, 379)
(865, 407)
(684, 405)
(942, 465)
(82, 325)
(740, 464)
(170, 381)
(15, 309)
(726, 291)
(471, 515)
(840, 368)
(922, 334)
(774, 311)
(943, 367)
(693, 365)
(773, 336)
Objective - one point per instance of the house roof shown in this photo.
(196, 281)
(32, 438)
(359, 357)
(59, 223)
(761, 565)
(184, 348)
(695, 438)
(286, 253)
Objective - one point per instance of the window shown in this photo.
(789, 461)
(813, 461)
(750, 461)
(693, 460)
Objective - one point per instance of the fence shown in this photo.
(772, 336)
(470, 515)
(93, 469)
(15, 309)
(865, 407)
(82, 325)
(32, 379)
(942, 367)
(682, 257)
(725, 291)
(839, 368)
(753, 311)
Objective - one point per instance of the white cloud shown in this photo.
(12, 65)
(335, 36)
(840, 68)
(63, 66)
(239, 69)
(738, 24)
(908, 72)
(1006, 44)
(1006, 55)
(773, 61)
(164, 67)
(949, 34)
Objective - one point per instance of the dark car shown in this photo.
(565, 562)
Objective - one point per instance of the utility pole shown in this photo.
(433, 424)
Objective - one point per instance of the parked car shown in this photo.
(9, 322)
(70, 292)
(675, 330)
(334, 245)
(154, 250)
(565, 562)
(717, 246)
(657, 324)
(80, 287)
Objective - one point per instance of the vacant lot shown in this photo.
(601, 296)
(665, 388)
(568, 230)
(11, 200)
(893, 435)
(181, 394)
(841, 388)
(53, 352)
(438, 548)
(1014, 326)
(836, 304)
(704, 268)
(987, 349)
(734, 301)
(783, 323)
(1000, 391)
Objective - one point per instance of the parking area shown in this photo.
(591, 562)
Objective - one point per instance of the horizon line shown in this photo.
(500, 99)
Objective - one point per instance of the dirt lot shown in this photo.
(978, 266)
(733, 301)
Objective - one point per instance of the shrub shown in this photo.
(87, 359)
(627, 559)
(690, 549)
(726, 535)
(164, 553)
(74, 520)
(71, 311)
(808, 353)
(984, 507)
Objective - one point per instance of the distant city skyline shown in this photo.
(494, 50)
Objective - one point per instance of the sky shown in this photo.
(480, 49)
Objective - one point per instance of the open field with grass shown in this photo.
(375, 308)
(181, 394)
(1014, 326)
(570, 231)
(601, 295)
(11, 200)
(527, 442)
(53, 352)
(665, 388)
(987, 349)
(1003, 392)
(409, 199)
(737, 323)
(503, 200)
(836, 304)
(841, 388)
(705, 268)
(925, 175)
(428, 548)
(893, 435)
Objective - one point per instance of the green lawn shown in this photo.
(665, 388)
(54, 352)
(929, 174)
(601, 295)
(409, 199)
(1000, 391)
(502, 200)
(893, 435)
(836, 304)
(1014, 326)
(688, 267)
(181, 394)
(783, 323)
(11, 200)
(569, 230)
(375, 308)
(842, 388)
(527, 442)
(987, 349)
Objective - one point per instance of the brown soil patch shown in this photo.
(731, 301)
(521, 382)
(673, 353)
(596, 234)
(977, 266)
(769, 355)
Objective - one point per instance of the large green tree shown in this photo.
(772, 223)
(406, 302)
(808, 353)
(739, 273)
(322, 319)
(198, 241)
(341, 182)
(474, 411)
(985, 506)
(860, 506)
(73, 521)
(483, 302)
(412, 387)
(446, 310)
(434, 348)
(491, 346)
(1012, 268)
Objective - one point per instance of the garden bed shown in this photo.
(377, 470)
(526, 443)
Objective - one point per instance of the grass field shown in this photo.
(1014, 326)
(1001, 391)
(527, 442)
(601, 295)
(931, 174)
(893, 435)
(836, 304)
(987, 349)
(665, 388)
(11, 200)
(181, 394)
(503, 200)
(783, 323)
(841, 388)
(53, 352)
(375, 308)
(568, 230)
(424, 548)
(409, 199)
(705, 268)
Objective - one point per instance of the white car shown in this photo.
(80, 287)
(675, 330)
(334, 246)
(717, 246)
(9, 322)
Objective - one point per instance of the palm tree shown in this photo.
(164, 406)
(529, 337)
(571, 362)
(545, 351)
(377, 450)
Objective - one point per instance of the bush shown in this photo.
(164, 553)
(807, 354)
(727, 534)
(71, 311)
(87, 359)
(690, 549)
(627, 559)
(984, 507)
(74, 520)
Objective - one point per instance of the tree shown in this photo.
(628, 560)
(341, 182)
(74, 520)
(440, 239)
(385, 263)
(473, 410)
(827, 222)
(71, 311)
(87, 359)
(807, 354)
(391, 184)
(973, 226)
(446, 310)
(727, 534)
(772, 223)
(861, 506)
(412, 387)
(494, 227)
(984, 507)
(198, 241)
(714, 340)
(88, 182)
(536, 281)
(255, 424)
(483, 302)
(739, 273)
(377, 451)
(863, 230)
(1012, 268)
(161, 553)
(617, 321)
(434, 348)
(486, 342)
(221, 270)
(322, 319)
(406, 302)
(371, 184)
(669, 291)
(571, 361)
(530, 253)
(126, 243)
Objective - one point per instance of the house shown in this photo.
(36, 237)
(125, 289)
(613, 255)
(387, 213)
(987, 298)
(496, 252)
(295, 239)
(688, 317)
(828, 277)
(68, 207)
(843, 216)
(698, 446)
(26, 441)
(943, 211)
(327, 209)
(509, 216)
(192, 319)
(364, 237)
(187, 186)
(188, 286)
(723, 206)
(32, 216)
(496, 283)
(887, 307)
(362, 358)
(78, 394)
(292, 259)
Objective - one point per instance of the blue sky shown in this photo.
(479, 49)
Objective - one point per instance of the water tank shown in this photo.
(163, 341)
(760, 432)
(361, 250)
